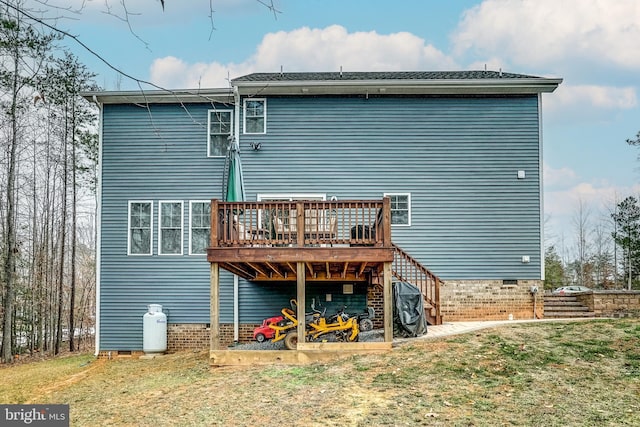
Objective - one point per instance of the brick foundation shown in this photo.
(187, 336)
(245, 333)
(374, 299)
(489, 300)
(460, 300)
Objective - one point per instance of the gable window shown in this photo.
(220, 132)
(400, 208)
(170, 228)
(140, 228)
(255, 116)
(199, 226)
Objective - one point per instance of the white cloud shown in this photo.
(597, 198)
(171, 73)
(561, 176)
(307, 49)
(604, 97)
(588, 103)
(534, 33)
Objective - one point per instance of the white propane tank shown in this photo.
(154, 330)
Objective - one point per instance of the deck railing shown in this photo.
(301, 223)
(408, 269)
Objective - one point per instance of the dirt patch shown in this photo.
(526, 374)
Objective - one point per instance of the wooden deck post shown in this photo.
(386, 222)
(388, 302)
(300, 224)
(214, 334)
(301, 284)
(214, 224)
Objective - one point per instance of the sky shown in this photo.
(594, 45)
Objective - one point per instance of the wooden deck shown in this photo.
(346, 240)
(300, 242)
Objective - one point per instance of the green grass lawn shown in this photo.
(583, 373)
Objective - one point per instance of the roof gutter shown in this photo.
(143, 98)
(401, 87)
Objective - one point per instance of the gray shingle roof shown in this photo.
(384, 75)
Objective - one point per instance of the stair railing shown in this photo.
(408, 269)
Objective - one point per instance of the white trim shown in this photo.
(408, 207)
(231, 128)
(130, 202)
(516, 86)
(291, 196)
(236, 288)
(244, 116)
(222, 95)
(236, 308)
(541, 174)
(191, 203)
(99, 231)
(160, 203)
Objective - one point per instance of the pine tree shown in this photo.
(627, 236)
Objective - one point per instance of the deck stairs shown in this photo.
(564, 306)
(407, 269)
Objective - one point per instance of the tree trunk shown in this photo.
(74, 222)
(11, 249)
(63, 235)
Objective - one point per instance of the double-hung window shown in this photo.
(199, 226)
(220, 132)
(170, 228)
(400, 208)
(255, 115)
(140, 228)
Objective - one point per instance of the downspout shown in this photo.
(541, 174)
(236, 287)
(98, 226)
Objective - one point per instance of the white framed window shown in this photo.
(400, 208)
(220, 132)
(170, 227)
(255, 115)
(140, 227)
(199, 226)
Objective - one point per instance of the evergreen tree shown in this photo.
(554, 270)
(627, 236)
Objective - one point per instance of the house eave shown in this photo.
(161, 96)
(400, 87)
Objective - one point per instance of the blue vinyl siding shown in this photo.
(155, 155)
(457, 156)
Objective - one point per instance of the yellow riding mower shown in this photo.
(340, 327)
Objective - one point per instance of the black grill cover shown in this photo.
(409, 319)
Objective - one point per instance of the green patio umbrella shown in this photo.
(235, 181)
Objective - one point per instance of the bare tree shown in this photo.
(581, 223)
(22, 55)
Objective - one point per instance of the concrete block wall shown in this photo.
(465, 300)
